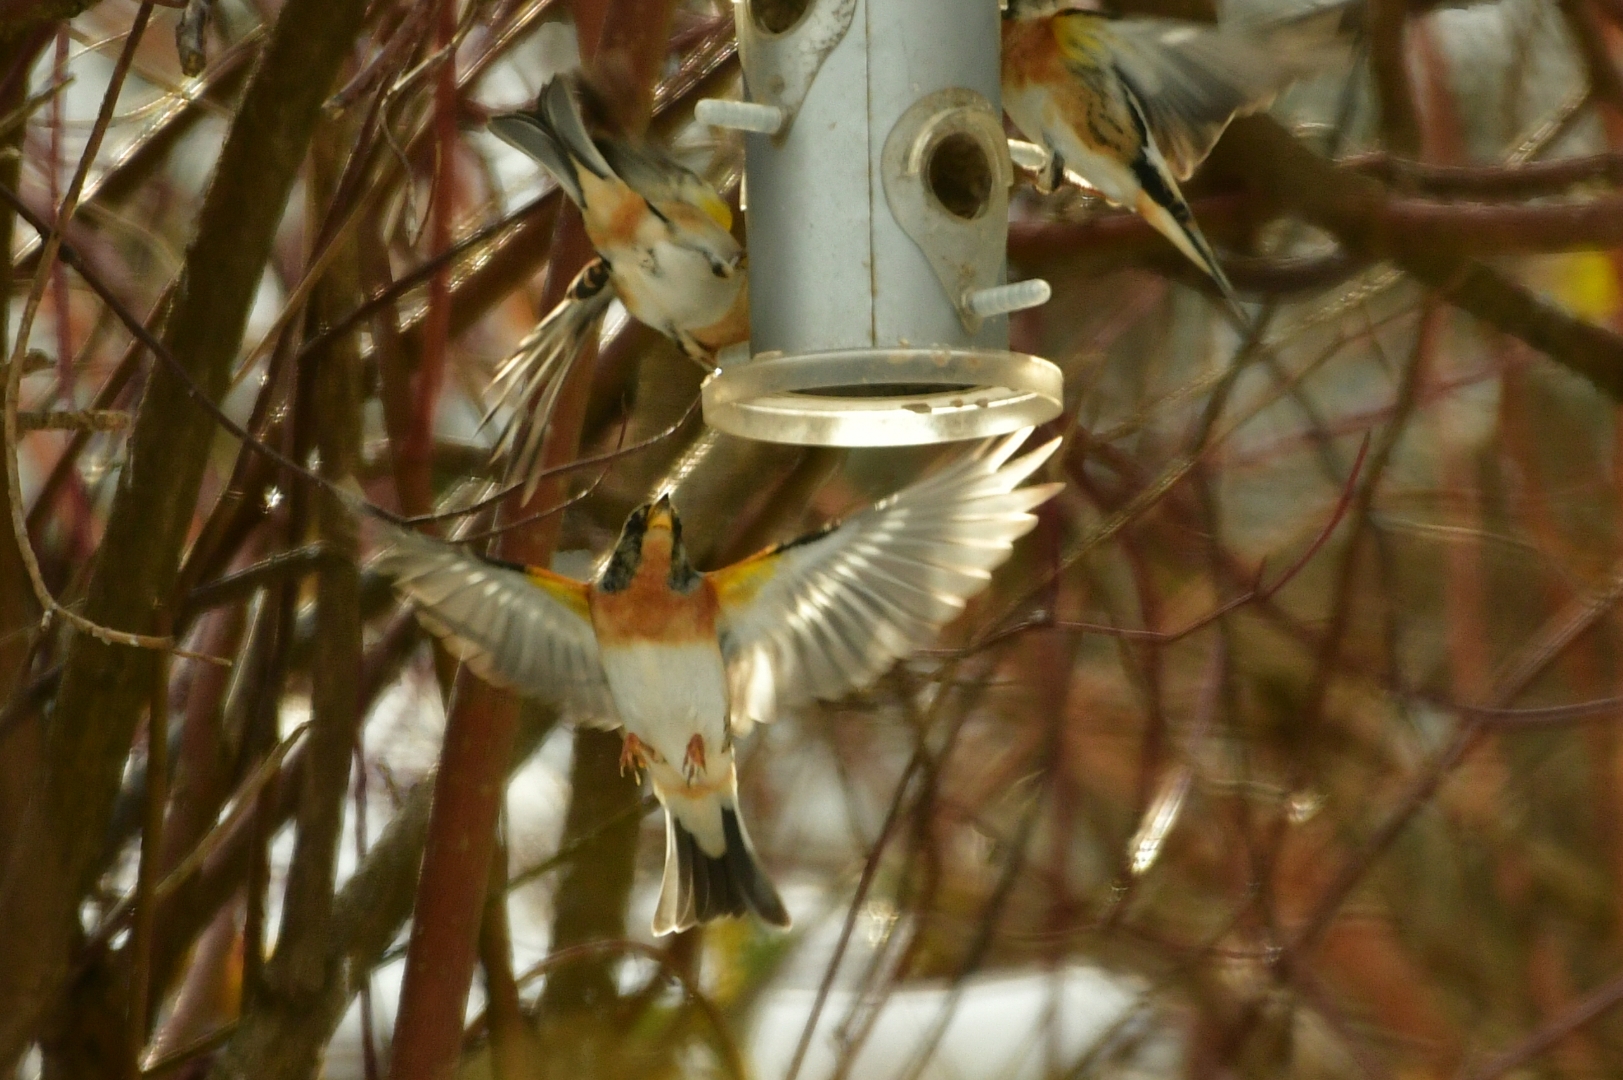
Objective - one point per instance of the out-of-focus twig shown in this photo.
(1350, 206)
(86, 420)
(367, 915)
(1386, 23)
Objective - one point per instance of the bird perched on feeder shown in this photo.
(664, 245)
(687, 662)
(1133, 105)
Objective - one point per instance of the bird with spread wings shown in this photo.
(686, 662)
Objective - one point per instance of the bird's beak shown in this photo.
(660, 516)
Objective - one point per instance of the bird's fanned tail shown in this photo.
(711, 869)
(527, 382)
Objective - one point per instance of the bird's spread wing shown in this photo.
(1190, 80)
(525, 629)
(829, 613)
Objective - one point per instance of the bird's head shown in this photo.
(650, 543)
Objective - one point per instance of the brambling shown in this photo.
(686, 662)
(1132, 106)
(664, 246)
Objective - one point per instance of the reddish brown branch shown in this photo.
(419, 443)
(1589, 37)
(1277, 167)
(1386, 22)
(1390, 228)
(1533, 179)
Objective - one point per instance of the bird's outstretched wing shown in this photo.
(829, 613)
(525, 629)
(1189, 80)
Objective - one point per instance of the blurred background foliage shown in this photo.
(1288, 744)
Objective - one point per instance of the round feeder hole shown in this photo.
(778, 16)
(959, 176)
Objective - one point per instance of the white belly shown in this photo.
(1027, 107)
(666, 694)
(1038, 117)
(675, 289)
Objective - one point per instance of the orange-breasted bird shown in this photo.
(686, 662)
(1133, 105)
(664, 245)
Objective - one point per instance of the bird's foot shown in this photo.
(1049, 178)
(634, 755)
(693, 762)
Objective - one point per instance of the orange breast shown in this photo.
(613, 212)
(1031, 53)
(733, 327)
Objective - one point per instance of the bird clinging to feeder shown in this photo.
(664, 245)
(687, 662)
(1133, 105)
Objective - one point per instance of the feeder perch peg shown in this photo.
(748, 116)
(1007, 299)
(1027, 155)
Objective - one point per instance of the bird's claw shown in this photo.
(633, 756)
(1050, 177)
(693, 762)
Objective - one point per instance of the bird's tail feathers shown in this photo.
(699, 886)
(1187, 238)
(555, 135)
(527, 382)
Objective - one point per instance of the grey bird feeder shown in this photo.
(878, 177)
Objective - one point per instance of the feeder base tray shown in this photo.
(882, 397)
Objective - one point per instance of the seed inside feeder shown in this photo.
(959, 176)
(777, 16)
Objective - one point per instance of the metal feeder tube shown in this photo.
(879, 177)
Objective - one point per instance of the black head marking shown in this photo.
(683, 578)
(627, 557)
(622, 565)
